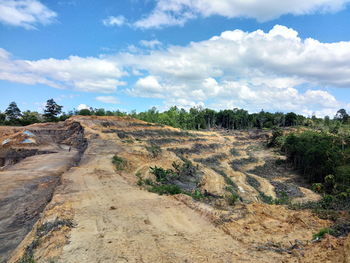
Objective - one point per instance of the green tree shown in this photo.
(13, 113)
(2, 118)
(30, 117)
(52, 110)
(291, 119)
(85, 112)
(342, 115)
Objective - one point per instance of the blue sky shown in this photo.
(133, 54)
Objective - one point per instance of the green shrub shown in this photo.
(319, 235)
(119, 162)
(234, 152)
(283, 200)
(161, 174)
(196, 194)
(233, 198)
(277, 137)
(154, 150)
(166, 189)
(266, 198)
(317, 187)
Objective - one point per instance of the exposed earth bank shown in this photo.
(102, 214)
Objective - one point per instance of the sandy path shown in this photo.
(118, 222)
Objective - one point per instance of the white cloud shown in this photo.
(108, 99)
(256, 70)
(25, 13)
(84, 74)
(83, 107)
(252, 70)
(150, 43)
(114, 21)
(178, 12)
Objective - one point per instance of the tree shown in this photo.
(30, 117)
(342, 115)
(85, 112)
(2, 118)
(13, 113)
(52, 110)
(291, 119)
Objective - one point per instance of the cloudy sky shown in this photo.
(291, 55)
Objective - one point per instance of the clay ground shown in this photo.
(113, 219)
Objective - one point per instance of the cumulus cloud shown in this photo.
(83, 107)
(25, 13)
(83, 74)
(108, 99)
(253, 70)
(114, 21)
(150, 43)
(178, 12)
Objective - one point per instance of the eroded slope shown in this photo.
(102, 214)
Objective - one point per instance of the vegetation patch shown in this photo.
(197, 148)
(213, 160)
(119, 162)
(291, 190)
(227, 178)
(166, 189)
(232, 198)
(319, 235)
(154, 150)
(235, 152)
(283, 200)
(48, 227)
(269, 170)
(238, 164)
(182, 178)
(253, 182)
(42, 231)
(163, 141)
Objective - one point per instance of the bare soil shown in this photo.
(113, 219)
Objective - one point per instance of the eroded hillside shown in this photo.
(108, 207)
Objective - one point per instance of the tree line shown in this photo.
(193, 119)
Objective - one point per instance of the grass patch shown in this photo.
(238, 164)
(227, 178)
(163, 141)
(47, 227)
(119, 162)
(320, 234)
(253, 182)
(234, 152)
(154, 150)
(130, 141)
(197, 148)
(166, 189)
(283, 200)
(213, 160)
(233, 198)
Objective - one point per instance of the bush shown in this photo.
(161, 174)
(317, 187)
(233, 198)
(277, 137)
(166, 189)
(319, 235)
(234, 152)
(119, 162)
(154, 150)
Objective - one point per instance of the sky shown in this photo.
(291, 55)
